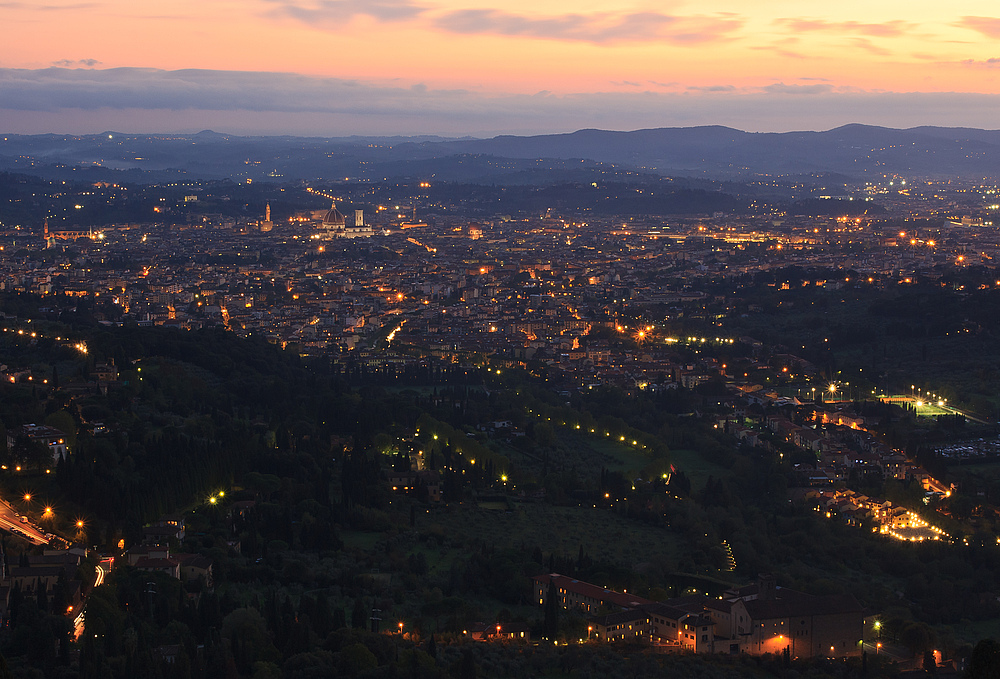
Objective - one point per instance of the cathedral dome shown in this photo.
(333, 218)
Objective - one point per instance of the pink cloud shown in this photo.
(886, 29)
(598, 28)
(988, 26)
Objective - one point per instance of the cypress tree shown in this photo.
(359, 615)
(551, 624)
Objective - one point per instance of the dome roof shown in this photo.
(333, 218)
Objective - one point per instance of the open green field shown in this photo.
(561, 530)
(360, 540)
(890, 336)
(972, 632)
(586, 453)
(695, 467)
(932, 410)
(617, 456)
(986, 469)
(924, 408)
(429, 389)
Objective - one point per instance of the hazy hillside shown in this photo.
(857, 151)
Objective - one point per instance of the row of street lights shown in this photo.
(48, 512)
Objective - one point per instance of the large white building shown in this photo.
(50, 437)
(335, 225)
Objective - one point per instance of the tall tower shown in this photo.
(50, 240)
(267, 224)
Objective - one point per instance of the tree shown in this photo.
(917, 637)
(985, 660)
(551, 624)
(31, 453)
(64, 422)
(467, 665)
(359, 615)
(356, 659)
(930, 664)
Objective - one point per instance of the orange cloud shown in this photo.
(988, 26)
(600, 27)
(593, 27)
(342, 11)
(47, 8)
(886, 29)
(993, 62)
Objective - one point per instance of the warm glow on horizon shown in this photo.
(714, 50)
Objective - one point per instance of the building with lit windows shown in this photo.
(50, 437)
(760, 618)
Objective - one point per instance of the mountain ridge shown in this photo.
(712, 151)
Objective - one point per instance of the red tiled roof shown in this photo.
(592, 591)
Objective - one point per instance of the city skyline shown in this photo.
(334, 67)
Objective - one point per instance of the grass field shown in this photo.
(924, 408)
(972, 632)
(617, 457)
(695, 467)
(360, 540)
(986, 469)
(588, 454)
(960, 364)
(561, 530)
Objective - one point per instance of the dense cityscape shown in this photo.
(612, 422)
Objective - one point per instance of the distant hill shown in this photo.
(856, 151)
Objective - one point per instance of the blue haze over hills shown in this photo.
(856, 151)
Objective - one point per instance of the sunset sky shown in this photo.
(456, 67)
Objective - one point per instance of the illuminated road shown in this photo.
(78, 624)
(893, 652)
(103, 569)
(10, 521)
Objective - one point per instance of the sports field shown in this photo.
(924, 407)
